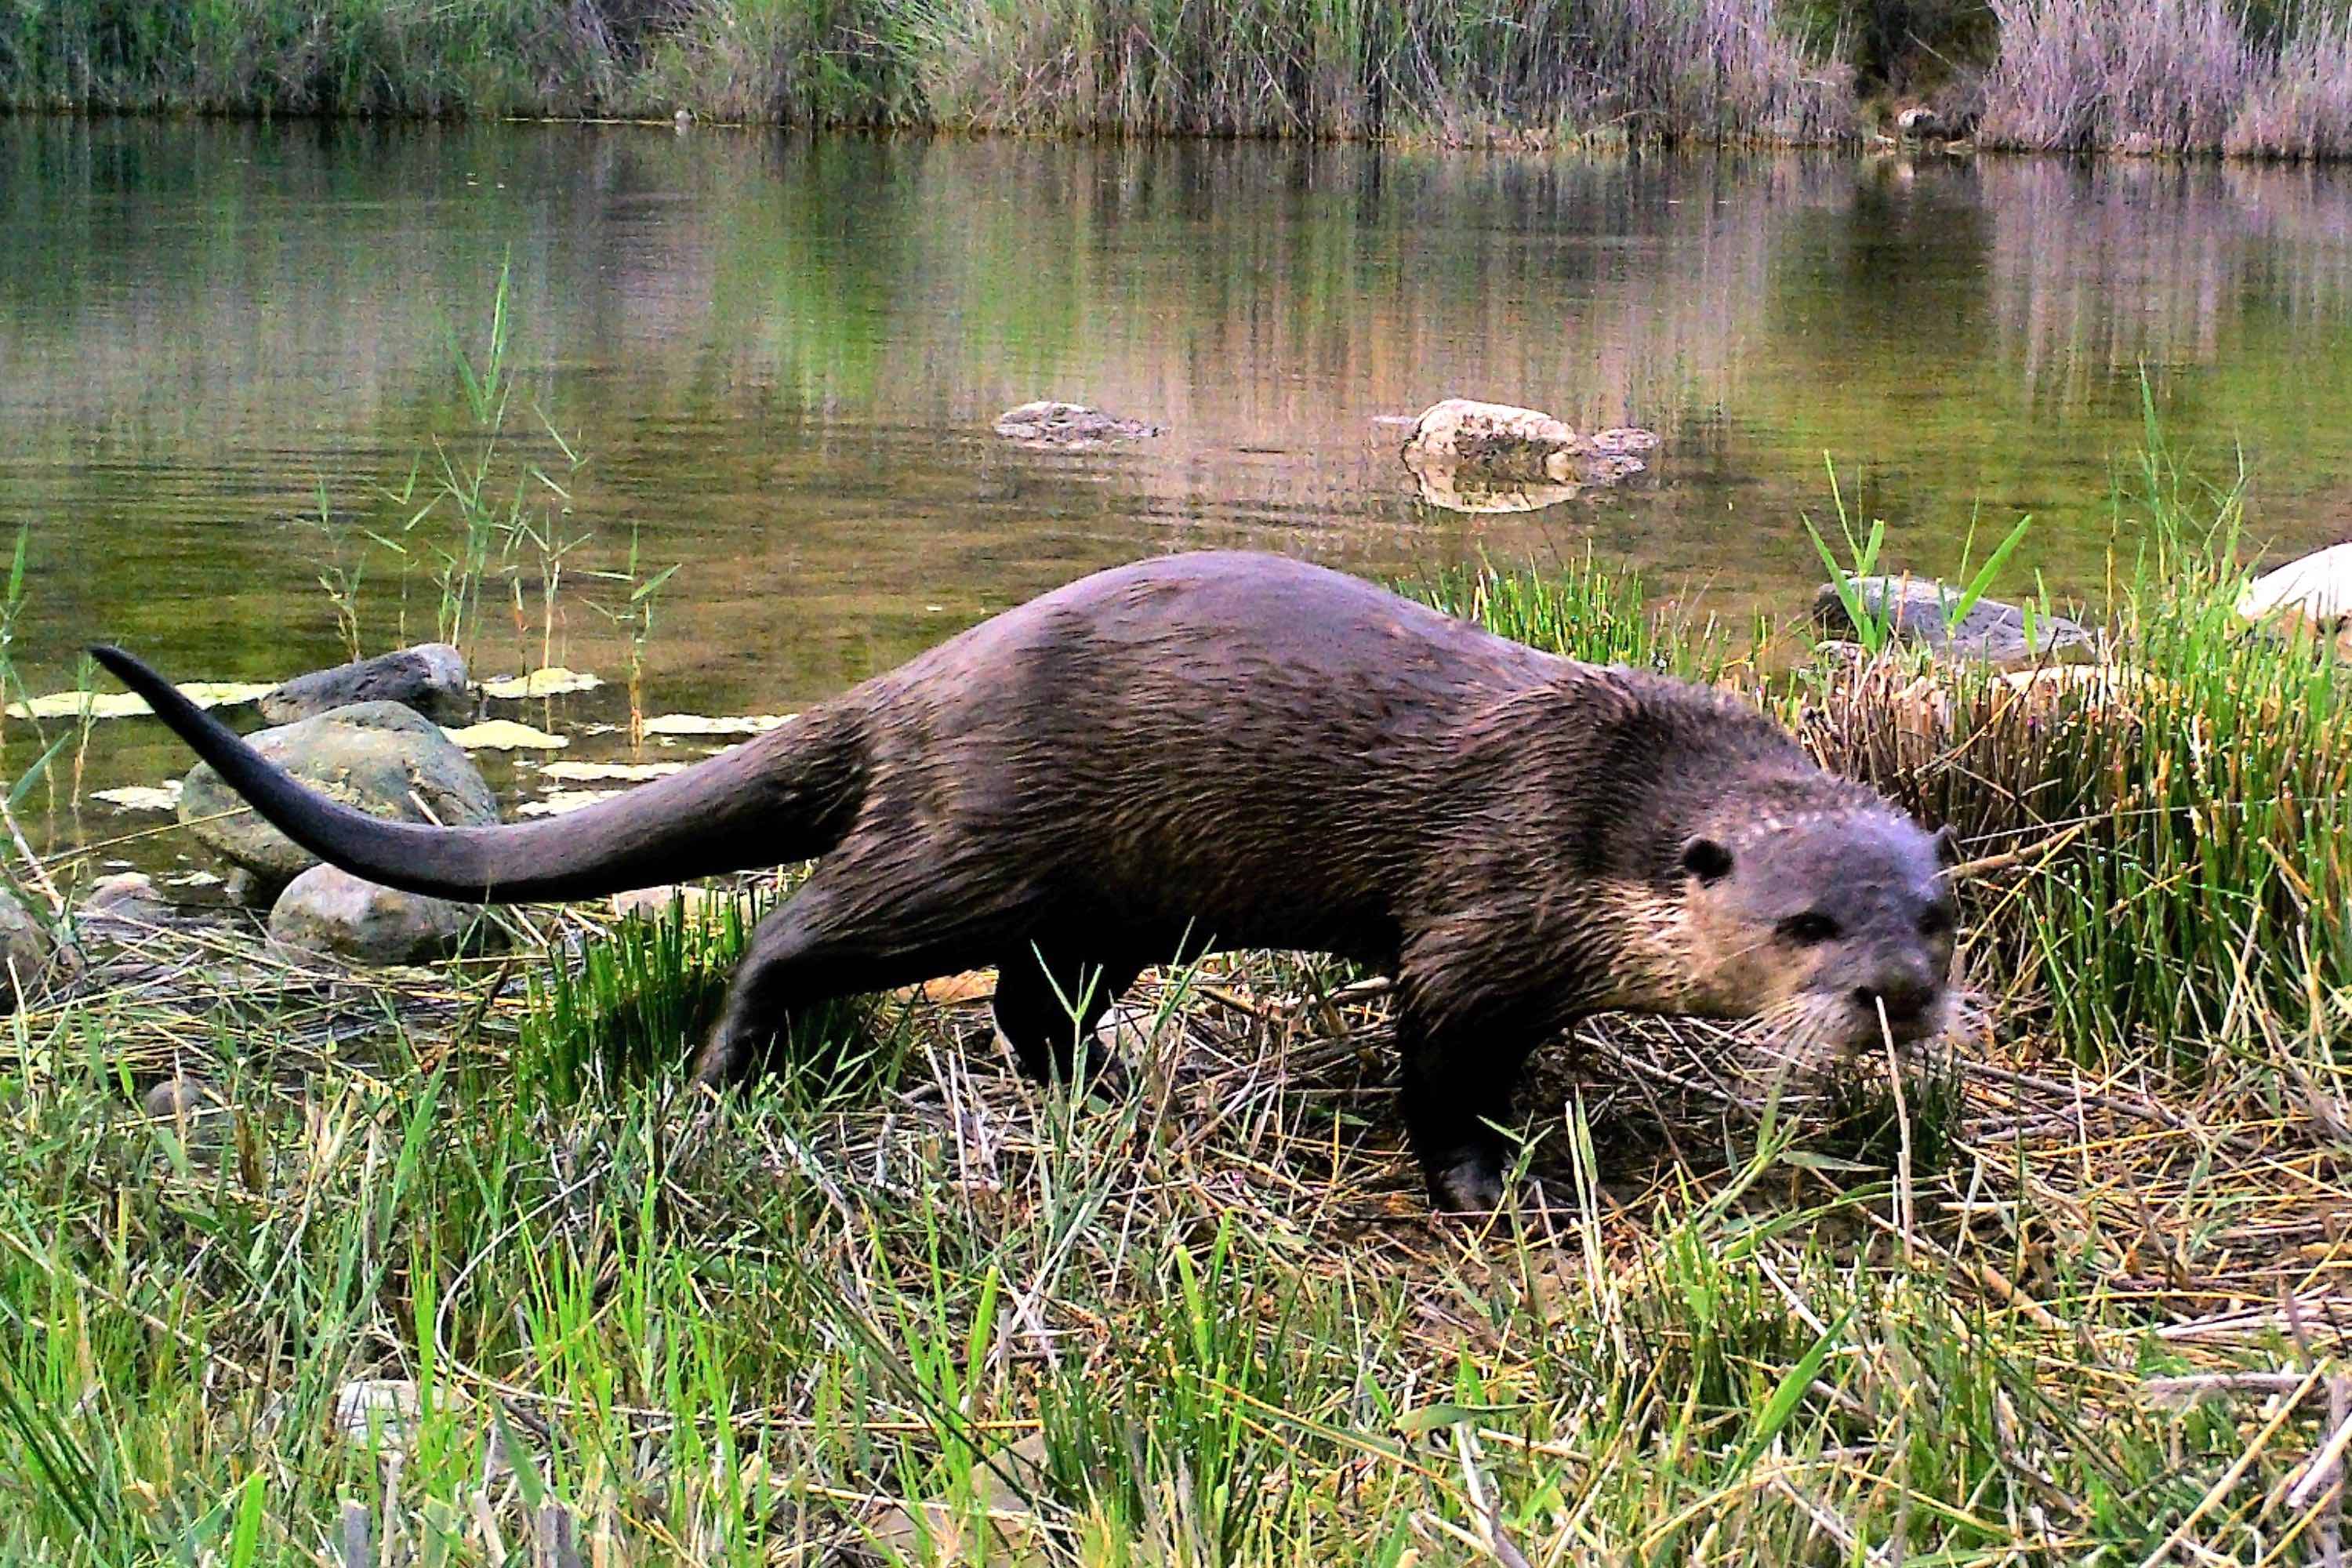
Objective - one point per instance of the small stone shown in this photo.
(1623, 440)
(27, 950)
(385, 1412)
(123, 905)
(1051, 423)
(181, 1099)
(934, 1529)
(328, 911)
(1991, 631)
(429, 677)
(380, 757)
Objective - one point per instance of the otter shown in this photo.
(1231, 749)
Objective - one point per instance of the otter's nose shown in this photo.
(1905, 996)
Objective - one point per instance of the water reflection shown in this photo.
(783, 358)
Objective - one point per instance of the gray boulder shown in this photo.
(123, 906)
(1050, 424)
(429, 677)
(1994, 632)
(185, 1096)
(379, 757)
(26, 951)
(331, 912)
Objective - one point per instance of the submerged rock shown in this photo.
(1050, 424)
(27, 949)
(1994, 632)
(429, 677)
(328, 911)
(379, 757)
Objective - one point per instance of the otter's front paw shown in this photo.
(724, 1059)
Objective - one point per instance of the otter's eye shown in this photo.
(1810, 928)
(1936, 920)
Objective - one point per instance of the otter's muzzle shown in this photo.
(1906, 992)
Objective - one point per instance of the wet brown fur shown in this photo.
(1230, 750)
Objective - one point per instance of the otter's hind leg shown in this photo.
(820, 946)
(1048, 999)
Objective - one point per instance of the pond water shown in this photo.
(777, 361)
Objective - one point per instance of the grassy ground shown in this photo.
(2069, 1293)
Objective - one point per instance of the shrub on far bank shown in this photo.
(2168, 76)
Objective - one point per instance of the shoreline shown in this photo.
(1532, 143)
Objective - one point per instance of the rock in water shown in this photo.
(429, 677)
(1622, 441)
(379, 757)
(25, 949)
(1048, 424)
(1496, 434)
(331, 912)
(1919, 608)
(1491, 458)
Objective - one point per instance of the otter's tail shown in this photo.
(786, 796)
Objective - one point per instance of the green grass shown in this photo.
(1122, 1338)
(899, 1306)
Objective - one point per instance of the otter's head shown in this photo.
(1833, 926)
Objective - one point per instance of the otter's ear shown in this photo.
(1947, 846)
(1707, 860)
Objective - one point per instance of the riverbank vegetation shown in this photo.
(448, 1268)
(2241, 76)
